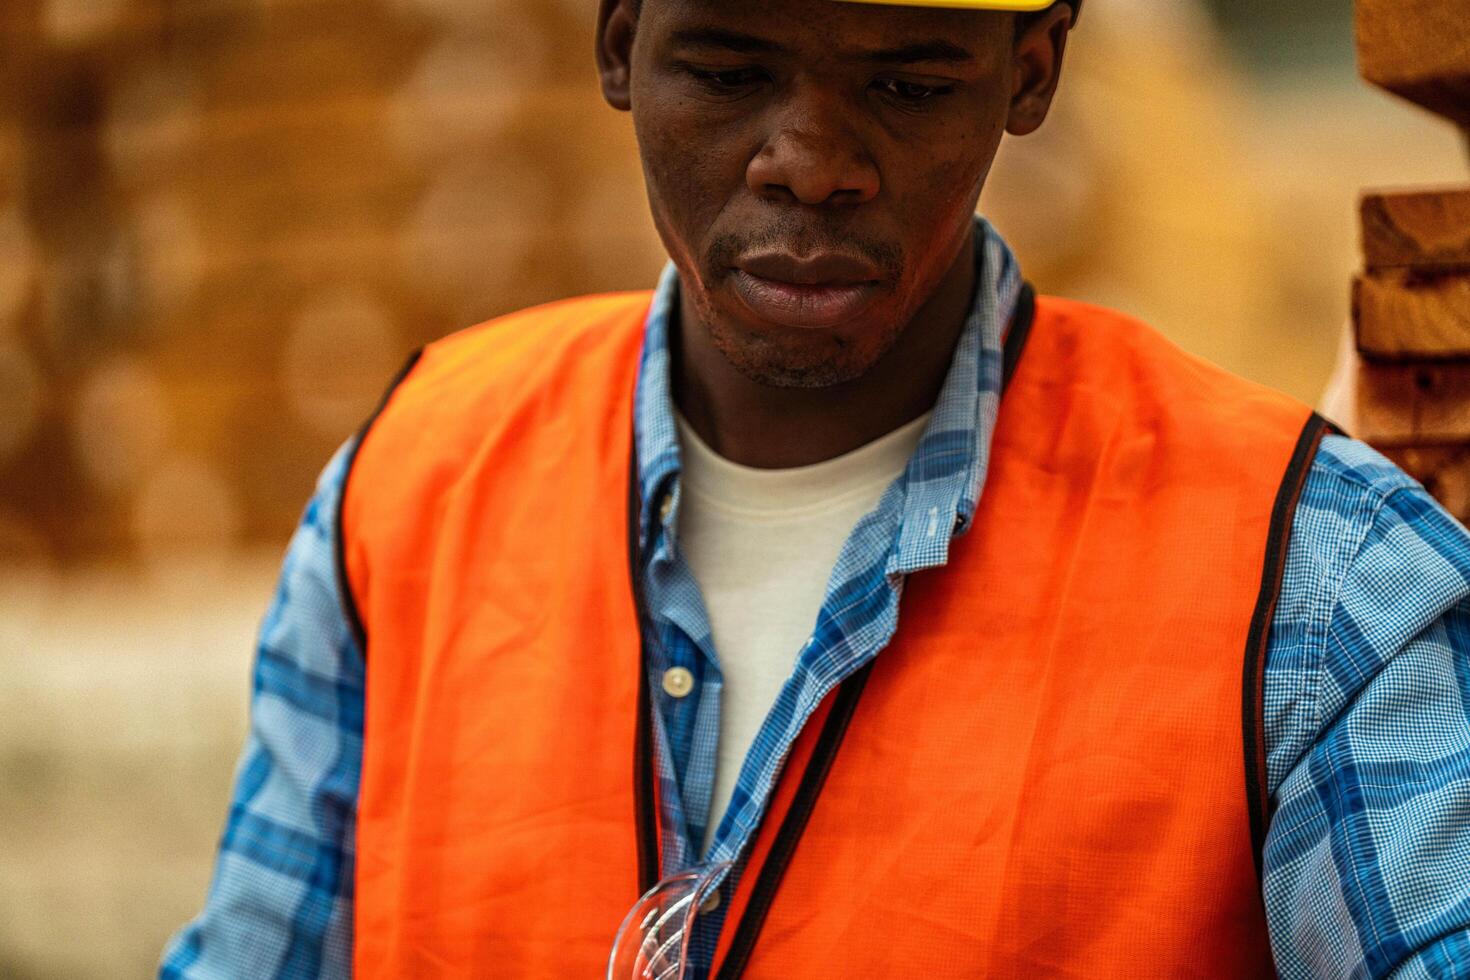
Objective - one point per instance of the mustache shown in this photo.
(800, 239)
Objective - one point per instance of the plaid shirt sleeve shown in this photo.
(1367, 860)
(280, 904)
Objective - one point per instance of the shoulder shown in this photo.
(1410, 559)
(1360, 511)
(507, 382)
(1347, 485)
(528, 342)
(460, 386)
(1114, 345)
(1124, 370)
(1352, 466)
(1373, 562)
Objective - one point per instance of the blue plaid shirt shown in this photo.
(1367, 691)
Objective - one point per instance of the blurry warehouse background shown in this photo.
(223, 223)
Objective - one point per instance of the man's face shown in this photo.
(813, 167)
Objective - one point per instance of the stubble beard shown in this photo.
(827, 362)
(793, 358)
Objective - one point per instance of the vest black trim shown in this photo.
(645, 812)
(1019, 333)
(1253, 710)
(345, 597)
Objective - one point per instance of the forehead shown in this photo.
(828, 27)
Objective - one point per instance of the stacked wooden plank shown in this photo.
(1418, 49)
(1411, 305)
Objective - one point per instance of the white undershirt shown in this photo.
(762, 545)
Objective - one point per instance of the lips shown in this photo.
(821, 290)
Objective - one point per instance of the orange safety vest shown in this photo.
(1055, 769)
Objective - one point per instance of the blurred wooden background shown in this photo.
(223, 224)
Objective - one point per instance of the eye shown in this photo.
(911, 93)
(726, 80)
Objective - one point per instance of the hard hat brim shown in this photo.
(1026, 6)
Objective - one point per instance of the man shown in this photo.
(980, 634)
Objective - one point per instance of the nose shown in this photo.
(813, 156)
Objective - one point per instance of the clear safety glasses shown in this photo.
(653, 941)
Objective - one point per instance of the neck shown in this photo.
(762, 426)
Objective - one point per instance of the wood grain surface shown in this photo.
(1414, 404)
(1404, 315)
(1418, 49)
(1424, 230)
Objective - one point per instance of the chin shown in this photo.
(807, 359)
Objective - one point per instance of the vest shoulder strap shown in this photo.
(456, 392)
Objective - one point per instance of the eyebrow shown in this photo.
(922, 51)
(715, 37)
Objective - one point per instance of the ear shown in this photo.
(1036, 66)
(616, 25)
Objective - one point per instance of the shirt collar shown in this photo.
(944, 478)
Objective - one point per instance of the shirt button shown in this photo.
(711, 902)
(678, 682)
(666, 507)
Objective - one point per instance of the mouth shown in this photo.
(823, 290)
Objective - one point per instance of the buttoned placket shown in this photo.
(686, 681)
